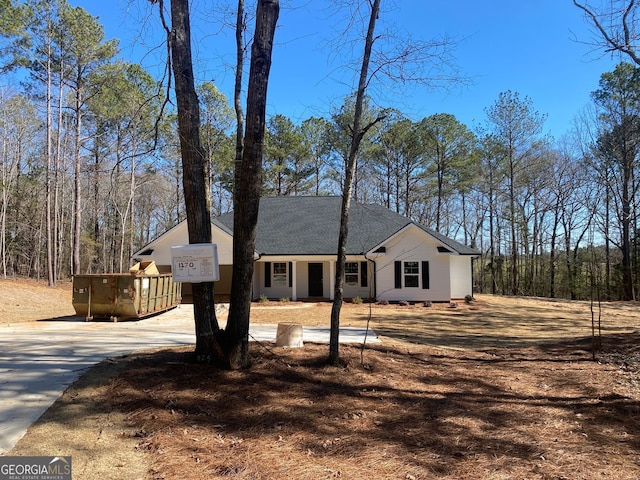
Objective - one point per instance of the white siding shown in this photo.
(274, 291)
(352, 291)
(449, 274)
(412, 244)
(302, 280)
(161, 254)
(302, 277)
(179, 235)
(461, 276)
(225, 246)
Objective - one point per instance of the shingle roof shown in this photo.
(292, 225)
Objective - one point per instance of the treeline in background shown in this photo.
(90, 169)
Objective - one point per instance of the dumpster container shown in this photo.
(124, 296)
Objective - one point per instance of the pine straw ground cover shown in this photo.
(404, 413)
(489, 391)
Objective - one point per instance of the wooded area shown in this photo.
(91, 169)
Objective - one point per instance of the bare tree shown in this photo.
(406, 60)
(237, 90)
(616, 26)
(358, 131)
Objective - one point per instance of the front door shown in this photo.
(315, 280)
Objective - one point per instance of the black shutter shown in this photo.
(290, 274)
(425, 275)
(363, 274)
(398, 274)
(267, 274)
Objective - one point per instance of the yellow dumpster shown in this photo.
(123, 296)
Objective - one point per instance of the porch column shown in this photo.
(294, 282)
(332, 278)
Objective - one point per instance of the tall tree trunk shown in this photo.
(440, 177)
(607, 245)
(132, 209)
(237, 95)
(4, 175)
(248, 186)
(512, 220)
(51, 277)
(57, 224)
(492, 241)
(627, 292)
(552, 250)
(357, 134)
(77, 180)
(194, 180)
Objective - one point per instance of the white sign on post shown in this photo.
(195, 263)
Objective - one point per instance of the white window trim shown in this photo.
(279, 279)
(355, 273)
(411, 274)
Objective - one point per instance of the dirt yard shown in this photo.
(503, 388)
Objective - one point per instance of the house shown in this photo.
(389, 257)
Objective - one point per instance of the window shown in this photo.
(351, 273)
(410, 271)
(280, 274)
(411, 274)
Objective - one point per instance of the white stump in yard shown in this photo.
(289, 335)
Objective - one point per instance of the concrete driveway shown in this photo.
(38, 360)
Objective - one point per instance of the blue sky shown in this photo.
(532, 47)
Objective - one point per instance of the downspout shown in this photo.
(375, 283)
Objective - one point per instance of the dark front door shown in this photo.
(315, 280)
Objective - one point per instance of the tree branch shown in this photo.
(612, 38)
